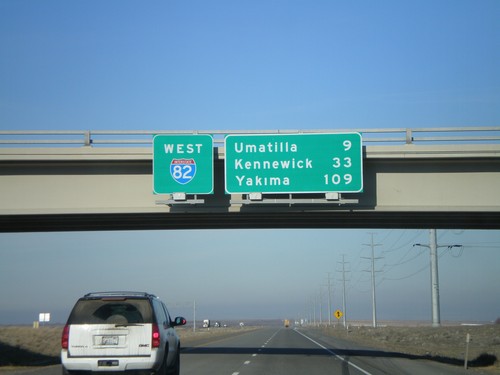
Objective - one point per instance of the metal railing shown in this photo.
(32, 138)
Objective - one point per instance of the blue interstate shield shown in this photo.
(183, 170)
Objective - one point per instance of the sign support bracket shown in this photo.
(258, 198)
(180, 199)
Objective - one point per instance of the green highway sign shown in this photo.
(183, 164)
(294, 163)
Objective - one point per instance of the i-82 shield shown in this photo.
(183, 164)
(183, 170)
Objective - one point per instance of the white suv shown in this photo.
(121, 331)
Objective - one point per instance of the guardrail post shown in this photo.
(87, 141)
(409, 136)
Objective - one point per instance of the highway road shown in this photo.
(288, 351)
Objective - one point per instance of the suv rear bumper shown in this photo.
(110, 364)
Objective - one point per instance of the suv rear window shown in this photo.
(111, 311)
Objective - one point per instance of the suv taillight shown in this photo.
(155, 338)
(65, 337)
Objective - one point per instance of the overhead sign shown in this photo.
(294, 163)
(183, 164)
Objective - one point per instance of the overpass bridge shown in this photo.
(103, 180)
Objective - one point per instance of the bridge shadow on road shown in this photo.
(16, 356)
(483, 360)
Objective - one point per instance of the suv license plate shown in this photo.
(108, 363)
(109, 340)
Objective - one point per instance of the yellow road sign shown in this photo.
(338, 314)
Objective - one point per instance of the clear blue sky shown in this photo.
(248, 64)
(182, 65)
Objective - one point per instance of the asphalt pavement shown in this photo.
(287, 351)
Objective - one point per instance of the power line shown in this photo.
(410, 241)
(401, 261)
(408, 276)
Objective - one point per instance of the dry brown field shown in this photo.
(445, 344)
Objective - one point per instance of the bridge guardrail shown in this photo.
(384, 136)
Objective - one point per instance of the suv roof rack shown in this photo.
(121, 294)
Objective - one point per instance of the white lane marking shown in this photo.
(246, 362)
(235, 373)
(254, 355)
(269, 339)
(335, 354)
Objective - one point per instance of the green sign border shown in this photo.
(203, 162)
(279, 150)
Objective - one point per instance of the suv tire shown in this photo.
(176, 367)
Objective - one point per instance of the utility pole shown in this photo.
(374, 300)
(194, 316)
(329, 285)
(314, 309)
(344, 308)
(307, 314)
(320, 306)
(436, 312)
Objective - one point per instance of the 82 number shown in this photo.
(182, 172)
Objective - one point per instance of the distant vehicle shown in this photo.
(118, 331)
(287, 323)
(206, 323)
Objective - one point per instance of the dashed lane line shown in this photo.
(335, 354)
(255, 354)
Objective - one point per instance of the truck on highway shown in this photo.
(206, 323)
(287, 323)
